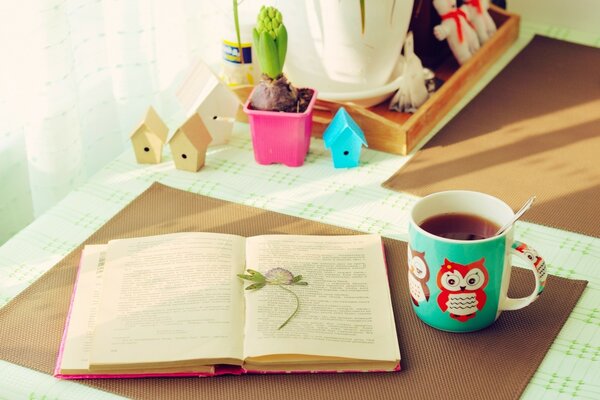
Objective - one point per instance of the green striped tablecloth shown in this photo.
(350, 198)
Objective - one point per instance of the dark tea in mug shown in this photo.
(460, 226)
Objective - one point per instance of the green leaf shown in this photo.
(301, 283)
(362, 16)
(237, 30)
(253, 276)
(297, 278)
(267, 52)
(256, 273)
(256, 286)
(281, 43)
(257, 48)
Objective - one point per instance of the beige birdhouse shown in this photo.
(149, 137)
(189, 143)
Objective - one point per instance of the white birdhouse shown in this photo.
(203, 92)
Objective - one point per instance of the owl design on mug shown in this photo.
(461, 288)
(537, 261)
(418, 275)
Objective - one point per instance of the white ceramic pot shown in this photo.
(328, 51)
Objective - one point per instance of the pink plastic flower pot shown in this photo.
(280, 137)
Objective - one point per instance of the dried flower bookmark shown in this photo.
(278, 277)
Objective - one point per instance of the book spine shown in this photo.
(67, 321)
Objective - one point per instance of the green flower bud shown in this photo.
(270, 41)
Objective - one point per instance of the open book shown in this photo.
(175, 305)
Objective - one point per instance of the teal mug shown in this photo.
(461, 285)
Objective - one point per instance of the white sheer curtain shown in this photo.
(75, 76)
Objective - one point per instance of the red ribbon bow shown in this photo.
(455, 15)
(476, 4)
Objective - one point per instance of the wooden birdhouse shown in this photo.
(345, 139)
(189, 143)
(204, 93)
(149, 137)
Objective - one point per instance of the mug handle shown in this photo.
(537, 265)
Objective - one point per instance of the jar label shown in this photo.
(231, 52)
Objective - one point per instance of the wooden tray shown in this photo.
(399, 133)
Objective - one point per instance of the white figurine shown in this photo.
(412, 92)
(455, 28)
(477, 13)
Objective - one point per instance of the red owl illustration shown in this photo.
(462, 288)
(418, 275)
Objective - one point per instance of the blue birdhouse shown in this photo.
(345, 139)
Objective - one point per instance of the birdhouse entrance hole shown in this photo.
(346, 152)
(183, 156)
(146, 149)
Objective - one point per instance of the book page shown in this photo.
(78, 337)
(345, 310)
(170, 299)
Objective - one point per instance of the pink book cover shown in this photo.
(219, 369)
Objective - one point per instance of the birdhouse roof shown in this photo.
(201, 85)
(342, 122)
(195, 130)
(154, 124)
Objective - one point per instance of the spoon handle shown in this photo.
(517, 215)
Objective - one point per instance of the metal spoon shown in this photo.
(517, 215)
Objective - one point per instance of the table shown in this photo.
(316, 191)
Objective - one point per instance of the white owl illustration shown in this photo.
(418, 275)
(537, 261)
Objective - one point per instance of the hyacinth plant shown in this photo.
(274, 92)
(279, 277)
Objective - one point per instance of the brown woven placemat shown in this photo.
(498, 361)
(535, 129)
